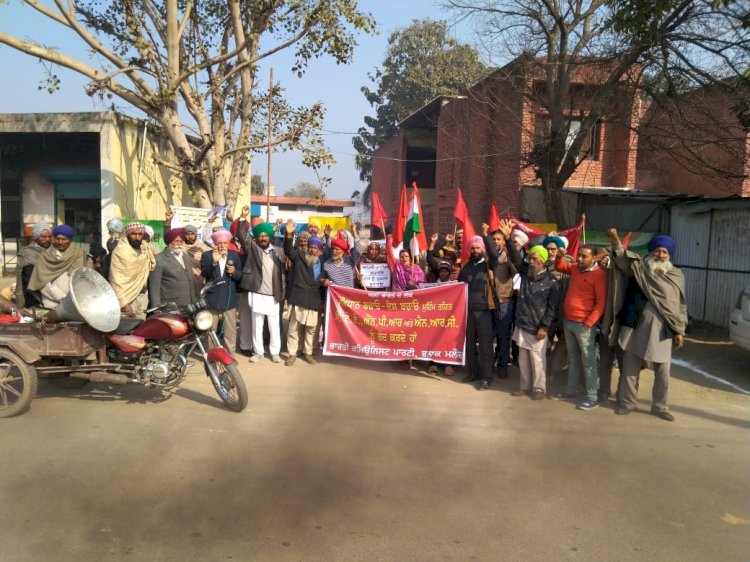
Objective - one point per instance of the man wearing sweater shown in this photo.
(582, 308)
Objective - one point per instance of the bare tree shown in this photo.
(192, 66)
(621, 47)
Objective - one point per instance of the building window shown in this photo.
(589, 148)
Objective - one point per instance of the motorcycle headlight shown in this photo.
(203, 320)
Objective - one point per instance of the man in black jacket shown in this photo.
(263, 279)
(303, 295)
(479, 320)
(535, 311)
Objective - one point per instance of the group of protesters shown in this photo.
(527, 295)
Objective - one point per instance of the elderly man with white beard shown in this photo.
(652, 319)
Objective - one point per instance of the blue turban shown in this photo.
(315, 241)
(662, 241)
(556, 240)
(64, 230)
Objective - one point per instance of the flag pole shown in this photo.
(583, 227)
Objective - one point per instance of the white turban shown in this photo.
(521, 236)
(38, 228)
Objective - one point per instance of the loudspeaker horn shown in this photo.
(91, 300)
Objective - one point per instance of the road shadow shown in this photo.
(130, 394)
(102, 392)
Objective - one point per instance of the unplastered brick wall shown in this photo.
(703, 152)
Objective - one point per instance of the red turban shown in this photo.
(340, 243)
(172, 234)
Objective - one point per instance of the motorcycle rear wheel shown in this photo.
(228, 383)
(18, 384)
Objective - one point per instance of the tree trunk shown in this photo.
(553, 201)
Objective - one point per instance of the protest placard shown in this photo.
(375, 275)
(425, 324)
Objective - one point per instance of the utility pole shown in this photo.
(270, 117)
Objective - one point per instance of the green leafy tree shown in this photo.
(257, 185)
(306, 190)
(192, 66)
(631, 46)
(422, 62)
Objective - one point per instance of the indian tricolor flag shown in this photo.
(414, 236)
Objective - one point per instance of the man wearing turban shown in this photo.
(223, 264)
(263, 279)
(535, 310)
(190, 244)
(51, 274)
(41, 239)
(130, 264)
(304, 297)
(479, 330)
(115, 228)
(172, 279)
(648, 318)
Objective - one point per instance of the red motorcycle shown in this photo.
(84, 340)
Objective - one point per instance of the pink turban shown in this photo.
(221, 236)
(476, 241)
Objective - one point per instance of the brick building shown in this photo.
(703, 152)
(479, 143)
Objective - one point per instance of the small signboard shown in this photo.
(375, 275)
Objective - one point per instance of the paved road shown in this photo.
(354, 461)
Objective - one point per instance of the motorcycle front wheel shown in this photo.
(228, 383)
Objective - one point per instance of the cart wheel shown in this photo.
(18, 383)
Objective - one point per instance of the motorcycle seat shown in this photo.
(127, 325)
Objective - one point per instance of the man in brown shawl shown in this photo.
(651, 319)
(131, 263)
(51, 275)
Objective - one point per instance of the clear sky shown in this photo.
(338, 87)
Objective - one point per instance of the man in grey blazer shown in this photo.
(172, 279)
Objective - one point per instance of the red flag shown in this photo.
(378, 217)
(403, 212)
(461, 215)
(574, 237)
(626, 241)
(526, 228)
(494, 221)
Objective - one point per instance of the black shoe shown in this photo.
(663, 415)
(484, 385)
(246, 352)
(502, 372)
(602, 397)
(470, 378)
(623, 411)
